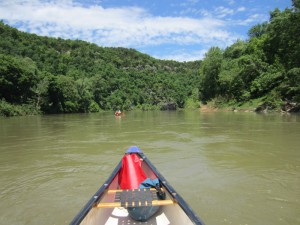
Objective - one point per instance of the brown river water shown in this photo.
(231, 168)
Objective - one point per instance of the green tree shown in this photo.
(284, 36)
(40, 91)
(267, 80)
(258, 30)
(296, 5)
(101, 90)
(290, 88)
(63, 94)
(209, 73)
(230, 86)
(17, 76)
(85, 95)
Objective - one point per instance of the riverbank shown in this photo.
(9, 110)
(287, 107)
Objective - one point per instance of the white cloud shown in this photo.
(241, 9)
(230, 2)
(184, 56)
(220, 12)
(195, 11)
(187, 3)
(223, 12)
(125, 26)
(252, 19)
(130, 27)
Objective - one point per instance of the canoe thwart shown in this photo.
(134, 198)
(111, 191)
(118, 204)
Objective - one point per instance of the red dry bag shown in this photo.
(131, 173)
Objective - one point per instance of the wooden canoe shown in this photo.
(103, 209)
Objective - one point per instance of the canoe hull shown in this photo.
(176, 213)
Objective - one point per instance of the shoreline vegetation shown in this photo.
(286, 108)
(8, 110)
(43, 75)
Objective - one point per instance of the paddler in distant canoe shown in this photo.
(118, 113)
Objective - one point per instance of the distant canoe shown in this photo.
(112, 205)
(118, 113)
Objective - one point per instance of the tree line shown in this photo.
(52, 75)
(263, 70)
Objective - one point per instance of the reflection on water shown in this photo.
(232, 168)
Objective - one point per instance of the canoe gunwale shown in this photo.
(176, 197)
(85, 210)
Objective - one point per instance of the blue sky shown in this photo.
(181, 30)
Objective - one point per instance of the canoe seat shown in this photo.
(134, 198)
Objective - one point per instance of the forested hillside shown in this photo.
(52, 75)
